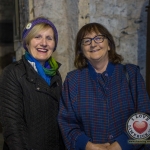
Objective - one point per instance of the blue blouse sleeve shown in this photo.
(74, 138)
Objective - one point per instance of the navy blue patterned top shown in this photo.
(95, 107)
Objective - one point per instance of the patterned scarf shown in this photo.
(45, 72)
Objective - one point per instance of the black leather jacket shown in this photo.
(29, 108)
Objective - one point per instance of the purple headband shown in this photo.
(30, 25)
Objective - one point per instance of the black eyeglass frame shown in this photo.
(103, 37)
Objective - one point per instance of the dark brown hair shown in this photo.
(80, 60)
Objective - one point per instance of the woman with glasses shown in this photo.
(96, 100)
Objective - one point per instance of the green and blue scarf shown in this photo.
(47, 71)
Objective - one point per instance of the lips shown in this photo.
(42, 50)
(94, 50)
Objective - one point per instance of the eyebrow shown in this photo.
(92, 37)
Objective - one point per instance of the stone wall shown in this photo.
(64, 14)
(6, 37)
(125, 19)
(22, 17)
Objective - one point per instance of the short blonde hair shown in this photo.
(37, 28)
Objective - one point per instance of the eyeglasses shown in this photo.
(97, 39)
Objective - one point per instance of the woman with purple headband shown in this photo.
(30, 91)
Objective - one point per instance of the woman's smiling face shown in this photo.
(96, 52)
(41, 46)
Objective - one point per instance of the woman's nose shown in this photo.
(43, 42)
(93, 43)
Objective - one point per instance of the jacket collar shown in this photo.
(32, 75)
(109, 70)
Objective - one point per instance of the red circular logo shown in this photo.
(138, 126)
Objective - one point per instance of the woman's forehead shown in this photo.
(91, 29)
(90, 33)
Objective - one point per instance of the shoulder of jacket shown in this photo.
(75, 72)
(17, 66)
(132, 69)
(74, 76)
(131, 66)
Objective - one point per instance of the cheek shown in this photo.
(51, 45)
(32, 45)
(108, 46)
(83, 49)
(34, 42)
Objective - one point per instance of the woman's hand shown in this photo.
(92, 146)
(114, 146)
